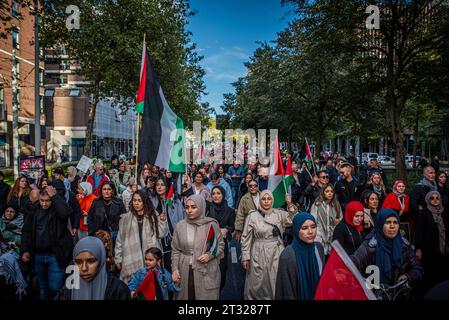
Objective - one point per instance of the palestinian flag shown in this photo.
(276, 177)
(170, 196)
(211, 242)
(147, 288)
(162, 135)
(308, 155)
(288, 177)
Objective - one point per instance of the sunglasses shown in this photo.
(324, 177)
(434, 198)
(253, 185)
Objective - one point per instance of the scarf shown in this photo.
(261, 209)
(431, 184)
(201, 219)
(15, 225)
(388, 251)
(351, 209)
(438, 218)
(306, 260)
(219, 208)
(395, 191)
(96, 288)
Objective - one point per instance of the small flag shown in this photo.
(170, 196)
(211, 242)
(147, 288)
(288, 177)
(341, 280)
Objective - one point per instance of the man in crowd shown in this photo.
(47, 243)
(236, 173)
(97, 178)
(375, 168)
(346, 188)
(313, 190)
(331, 171)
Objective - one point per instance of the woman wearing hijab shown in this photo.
(301, 263)
(432, 240)
(262, 245)
(349, 232)
(95, 282)
(197, 248)
(443, 188)
(218, 209)
(398, 200)
(391, 253)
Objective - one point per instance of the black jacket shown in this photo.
(225, 220)
(427, 235)
(61, 240)
(115, 290)
(98, 220)
(346, 192)
(348, 236)
(20, 203)
(287, 276)
(444, 191)
(4, 191)
(366, 256)
(417, 197)
(312, 192)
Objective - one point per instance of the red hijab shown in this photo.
(351, 209)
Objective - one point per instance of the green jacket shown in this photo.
(245, 206)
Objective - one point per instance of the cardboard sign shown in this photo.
(84, 164)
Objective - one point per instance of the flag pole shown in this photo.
(139, 118)
(311, 156)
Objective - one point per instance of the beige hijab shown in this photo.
(261, 209)
(201, 204)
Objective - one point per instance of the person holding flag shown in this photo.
(197, 248)
(301, 263)
(262, 244)
(164, 201)
(140, 229)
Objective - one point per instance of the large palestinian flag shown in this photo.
(276, 183)
(162, 135)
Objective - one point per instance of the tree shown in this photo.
(108, 47)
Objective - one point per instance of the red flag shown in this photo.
(278, 167)
(341, 280)
(147, 288)
(289, 170)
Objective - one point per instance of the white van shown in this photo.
(367, 156)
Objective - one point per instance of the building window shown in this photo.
(65, 65)
(62, 79)
(15, 8)
(41, 77)
(15, 38)
(18, 69)
(49, 93)
(74, 93)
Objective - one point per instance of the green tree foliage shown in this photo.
(108, 46)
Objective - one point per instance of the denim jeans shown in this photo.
(49, 275)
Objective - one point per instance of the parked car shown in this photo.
(386, 161)
(367, 156)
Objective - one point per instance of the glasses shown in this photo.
(324, 177)
(253, 185)
(434, 198)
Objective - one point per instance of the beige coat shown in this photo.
(128, 249)
(206, 276)
(263, 250)
(246, 205)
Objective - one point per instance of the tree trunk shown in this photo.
(397, 133)
(319, 141)
(416, 132)
(90, 126)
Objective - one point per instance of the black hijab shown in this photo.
(217, 209)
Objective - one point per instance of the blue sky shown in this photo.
(226, 33)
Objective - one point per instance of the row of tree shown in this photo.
(328, 73)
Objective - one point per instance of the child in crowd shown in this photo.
(153, 260)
